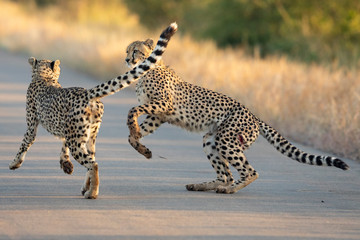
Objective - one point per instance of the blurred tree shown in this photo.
(239, 22)
(312, 30)
(38, 3)
(156, 13)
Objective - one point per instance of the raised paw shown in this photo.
(67, 167)
(140, 147)
(147, 153)
(14, 165)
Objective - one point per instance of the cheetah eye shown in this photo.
(138, 51)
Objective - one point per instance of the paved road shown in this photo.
(146, 199)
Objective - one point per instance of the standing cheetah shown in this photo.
(74, 114)
(230, 127)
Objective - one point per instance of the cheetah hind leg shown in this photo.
(207, 186)
(219, 164)
(236, 186)
(247, 174)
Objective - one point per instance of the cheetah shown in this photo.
(230, 128)
(74, 114)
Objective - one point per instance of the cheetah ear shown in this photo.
(55, 64)
(32, 61)
(150, 43)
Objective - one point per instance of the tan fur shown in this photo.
(138, 51)
(74, 114)
(230, 127)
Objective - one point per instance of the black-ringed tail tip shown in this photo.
(174, 26)
(169, 31)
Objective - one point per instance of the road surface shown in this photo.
(147, 199)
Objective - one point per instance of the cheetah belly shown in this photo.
(191, 124)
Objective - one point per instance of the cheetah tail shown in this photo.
(286, 148)
(123, 81)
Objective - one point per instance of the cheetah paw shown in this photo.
(67, 167)
(90, 194)
(84, 189)
(196, 187)
(139, 147)
(147, 153)
(225, 190)
(14, 165)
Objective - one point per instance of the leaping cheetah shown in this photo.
(230, 127)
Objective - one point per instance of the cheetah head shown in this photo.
(138, 51)
(46, 69)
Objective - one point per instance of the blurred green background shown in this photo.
(321, 31)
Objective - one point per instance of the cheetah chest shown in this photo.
(144, 92)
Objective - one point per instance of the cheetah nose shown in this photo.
(127, 60)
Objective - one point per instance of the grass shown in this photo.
(315, 105)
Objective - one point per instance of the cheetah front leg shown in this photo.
(65, 163)
(152, 108)
(149, 125)
(28, 140)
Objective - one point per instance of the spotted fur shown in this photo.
(230, 127)
(74, 114)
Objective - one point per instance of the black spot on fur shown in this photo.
(151, 59)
